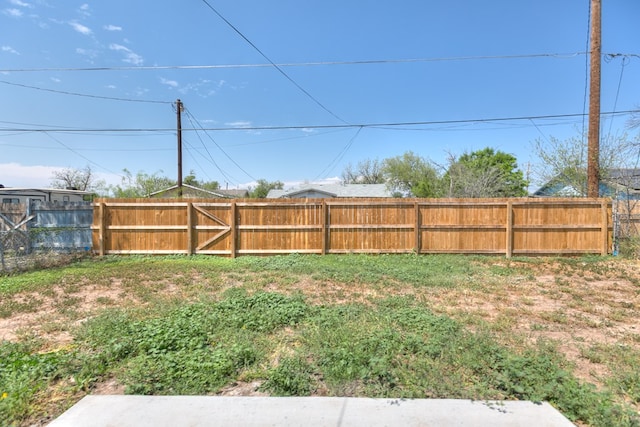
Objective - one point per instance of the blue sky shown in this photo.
(350, 64)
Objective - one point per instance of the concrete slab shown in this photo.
(200, 411)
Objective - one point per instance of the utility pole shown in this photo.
(593, 151)
(179, 114)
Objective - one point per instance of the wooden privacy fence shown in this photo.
(521, 226)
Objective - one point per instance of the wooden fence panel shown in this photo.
(270, 228)
(371, 226)
(463, 226)
(570, 226)
(230, 228)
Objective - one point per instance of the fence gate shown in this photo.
(209, 228)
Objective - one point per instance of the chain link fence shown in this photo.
(626, 228)
(41, 234)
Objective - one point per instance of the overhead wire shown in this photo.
(188, 145)
(279, 69)
(64, 92)
(200, 127)
(540, 131)
(339, 157)
(308, 64)
(615, 103)
(109, 150)
(329, 126)
(81, 155)
(211, 159)
(191, 117)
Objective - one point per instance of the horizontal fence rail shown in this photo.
(520, 226)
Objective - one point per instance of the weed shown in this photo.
(292, 377)
(23, 373)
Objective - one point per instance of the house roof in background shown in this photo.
(627, 177)
(619, 178)
(334, 190)
(7, 190)
(238, 193)
(188, 190)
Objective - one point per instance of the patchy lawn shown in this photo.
(563, 330)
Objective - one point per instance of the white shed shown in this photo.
(56, 195)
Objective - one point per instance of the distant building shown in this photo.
(191, 192)
(618, 184)
(323, 191)
(9, 195)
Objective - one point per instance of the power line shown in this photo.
(190, 116)
(188, 145)
(339, 157)
(280, 70)
(309, 64)
(335, 126)
(81, 155)
(211, 159)
(63, 92)
(108, 150)
(615, 103)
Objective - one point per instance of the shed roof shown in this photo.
(17, 190)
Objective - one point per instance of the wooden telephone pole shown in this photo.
(179, 114)
(593, 150)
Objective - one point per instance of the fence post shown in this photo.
(509, 242)
(416, 208)
(190, 229)
(234, 229)
(28, 227)
(604, 206)
(324, 227)
(101, 232)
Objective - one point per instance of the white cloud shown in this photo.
(55, 79)
(203, 87)
(140, 91)
(9, 49)
(20, 3)
(129, 56)
(84, 10)
(111, 87)
(112, 28)
(87, 52)
(239, 124)
(80, 28)
(39, 176)
(167, 82)
(17, 175)
(17, 13)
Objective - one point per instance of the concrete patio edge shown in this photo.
(197, 411)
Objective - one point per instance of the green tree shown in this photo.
(411, 175)
(141, 185)
(263, 187)
(485, 173)
(193, 181)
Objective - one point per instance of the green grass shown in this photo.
(225, 327)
